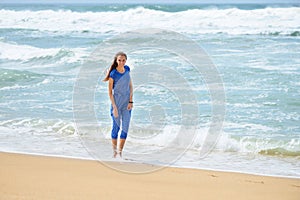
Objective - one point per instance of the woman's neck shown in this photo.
(121, 69)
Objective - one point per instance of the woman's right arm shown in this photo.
(111, 97)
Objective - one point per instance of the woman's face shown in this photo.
(121, 60)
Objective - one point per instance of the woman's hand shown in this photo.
(115, 112)
(129, 106)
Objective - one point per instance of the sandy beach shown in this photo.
(41, 177)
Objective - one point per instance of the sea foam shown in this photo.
(270, 21)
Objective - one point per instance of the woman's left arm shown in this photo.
(131, 90)
(130, 105)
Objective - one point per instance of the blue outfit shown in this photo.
(121, 94)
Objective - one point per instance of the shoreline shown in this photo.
(46, 177)
(124, 161)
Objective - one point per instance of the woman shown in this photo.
(120, 92)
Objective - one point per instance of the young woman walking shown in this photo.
(120, 92)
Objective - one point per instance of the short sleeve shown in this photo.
(112, 74)
(127, 68)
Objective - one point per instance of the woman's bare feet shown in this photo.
(115, 154)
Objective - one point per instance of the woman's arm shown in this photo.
(130, 105)
(111, 97)
(131, 90)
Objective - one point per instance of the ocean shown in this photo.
(254, 47)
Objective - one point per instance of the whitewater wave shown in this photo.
(228, 143)
(39, 126)
(280, 152)
(270, 21)
(31, 54)
(152, 139)
(280, 146)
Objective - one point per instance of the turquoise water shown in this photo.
(256, 49)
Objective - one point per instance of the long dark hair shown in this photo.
(114, 65)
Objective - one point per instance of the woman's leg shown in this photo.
(114, 134)
(126, 115)
(114, 145)
(121, 145)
